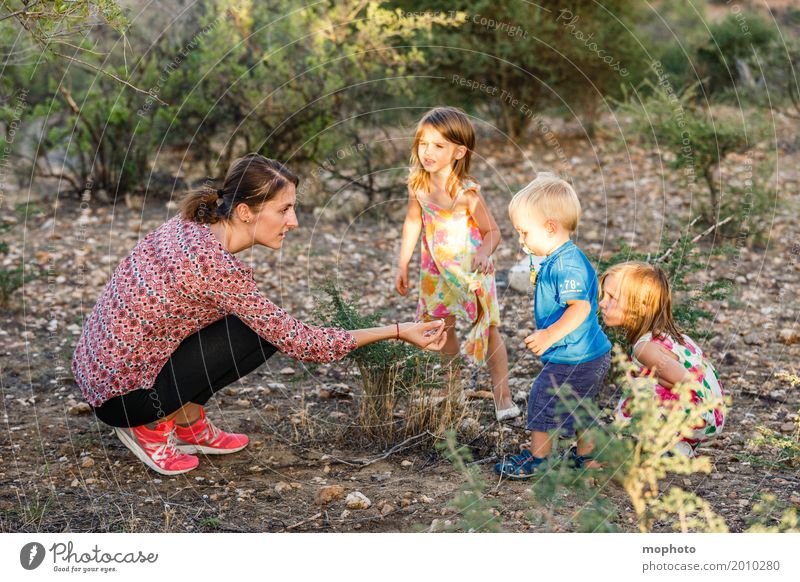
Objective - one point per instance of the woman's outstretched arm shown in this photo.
(428, 335)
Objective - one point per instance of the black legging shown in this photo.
(203, 363)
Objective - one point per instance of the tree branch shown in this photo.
(113, 76)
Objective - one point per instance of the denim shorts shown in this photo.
(545, 410)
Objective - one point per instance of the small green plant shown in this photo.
(391, 371)
(655, 430)
(782, 450)
(693, 140)
(769, 516)
(680, 259)
(476, 513)
(11, 278)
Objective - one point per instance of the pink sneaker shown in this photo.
(204, 437)
(156, 448)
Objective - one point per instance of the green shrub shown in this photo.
(680, 259)
(692, 139)
(476, 513)
(391, 372)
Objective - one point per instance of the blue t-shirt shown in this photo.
(563, 276)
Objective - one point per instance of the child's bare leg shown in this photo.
(585, 446)
(497, 361)
(541, 444)
(450, 351)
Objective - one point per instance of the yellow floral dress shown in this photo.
(450, 239)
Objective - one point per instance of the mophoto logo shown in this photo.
(31, 555)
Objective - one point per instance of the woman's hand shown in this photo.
(428, 335)
(401, 280)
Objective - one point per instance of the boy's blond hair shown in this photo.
(553, 197)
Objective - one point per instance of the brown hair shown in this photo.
(455, 127)
(252, 180)
(645, 297)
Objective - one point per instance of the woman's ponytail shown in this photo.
(251, 180)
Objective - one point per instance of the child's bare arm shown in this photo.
(412, 226)
(576, 313)
(663, 363)
(490, 232)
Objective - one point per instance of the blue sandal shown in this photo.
(578, 461)
(521, 466)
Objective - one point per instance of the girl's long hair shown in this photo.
(645, 297)
(455, 127)
(252, 180)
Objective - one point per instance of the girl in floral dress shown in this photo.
(636, 297)
(459, 236)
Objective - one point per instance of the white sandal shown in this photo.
(507, 413)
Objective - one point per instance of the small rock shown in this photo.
(92, 481)
(379, 477)
(345, 514)
(521, 396)
(335, 391)
(753, 339)
(469, 425)
(244, 403)
(255, 469)
(357, 500)
(282, 486)
(74, 483)
(287, 371)
(328, 493)
(788, 427)
(426, 499)
(789, 337)
(87, 463)
(80, 408)
(406, 464)
(387, 509)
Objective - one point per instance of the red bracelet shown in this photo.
(398, 330)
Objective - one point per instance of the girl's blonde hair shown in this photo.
(646, 299)
(455, 127)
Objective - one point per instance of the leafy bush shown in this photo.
(692, 139)
(680, 260)
(737, 44)
(583, 53)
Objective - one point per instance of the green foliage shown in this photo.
(781, 450)
(766, 518)
(390, 371)
(743, 39)
(583, 53)
(634, 457)
(11, 278)
(692, 139)
(476, 513)
(681, 260)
